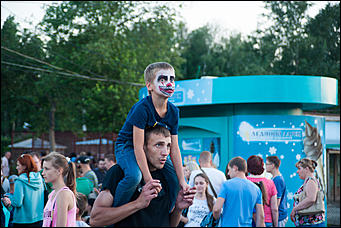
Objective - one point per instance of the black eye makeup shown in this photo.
(162, 77)
(165, 78)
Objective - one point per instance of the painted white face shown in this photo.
(165, 82)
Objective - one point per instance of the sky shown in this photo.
(228, 16)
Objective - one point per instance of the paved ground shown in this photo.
(333, 214)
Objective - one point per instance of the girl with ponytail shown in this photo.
(60, 209)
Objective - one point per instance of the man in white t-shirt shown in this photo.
(216, 176)
(5, 163)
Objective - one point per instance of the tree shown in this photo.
(285, 35)
(9, 78)
(111, 41)
(321, 50)
(196, 49)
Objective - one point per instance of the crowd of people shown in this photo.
(149, 185)
(240, 197)
(42, 186)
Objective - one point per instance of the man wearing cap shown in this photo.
(150, 205)
(87, 172)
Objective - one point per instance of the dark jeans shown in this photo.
(36, 224)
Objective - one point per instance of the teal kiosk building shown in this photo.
(255, 115)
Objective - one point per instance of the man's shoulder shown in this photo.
(112, 177)
(90, 173)
(214, 171)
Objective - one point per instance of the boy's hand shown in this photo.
(184, 186)
(157, 187)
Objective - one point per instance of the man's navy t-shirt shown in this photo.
(143, 114)
(155, 215)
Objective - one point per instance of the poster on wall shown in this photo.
(290, 138)
(192, 147)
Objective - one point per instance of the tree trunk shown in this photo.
(52, 125)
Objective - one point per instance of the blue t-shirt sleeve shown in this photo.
(259, 197)
(138, 116)
(223, 190)
(279, 186)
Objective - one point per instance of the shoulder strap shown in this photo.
(215, 194)
(55, 197)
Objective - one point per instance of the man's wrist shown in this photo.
(177, 209)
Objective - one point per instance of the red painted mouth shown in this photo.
(167, 90)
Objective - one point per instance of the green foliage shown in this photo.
(115, 40)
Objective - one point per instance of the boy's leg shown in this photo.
(172, 180)
(132, 175)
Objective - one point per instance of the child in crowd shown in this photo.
(82, 203)
(148, 112)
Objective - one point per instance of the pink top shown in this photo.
(271, 190)
(51, 209)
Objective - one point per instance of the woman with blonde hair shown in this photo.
(60, 209)
(311, 186)
(188, 168)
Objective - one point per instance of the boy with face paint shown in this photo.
(152, 110)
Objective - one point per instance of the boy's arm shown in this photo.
(177, 162)
(138, 140)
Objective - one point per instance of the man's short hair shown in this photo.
(240, 163)
(110, 157)
(274, 160)
(157, 130)
(149, 72)
(205, 156)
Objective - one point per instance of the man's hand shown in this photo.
(6, 201)
(149, 192)
(185, 199)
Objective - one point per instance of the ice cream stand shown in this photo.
(255, 115)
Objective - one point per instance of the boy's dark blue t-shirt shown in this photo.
(143, 114)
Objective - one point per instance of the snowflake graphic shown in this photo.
(290, 195)
(298, 157)
(293, 175)
(272, 150)
(190, 94)
(282, 156)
